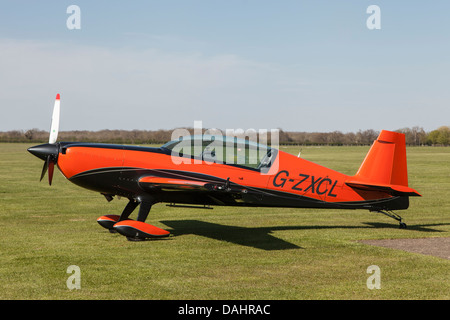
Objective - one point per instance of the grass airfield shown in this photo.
(225, 253)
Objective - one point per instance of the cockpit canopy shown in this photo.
(221, 149)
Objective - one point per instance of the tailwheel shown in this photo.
(393, 215)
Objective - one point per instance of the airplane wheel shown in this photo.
(138, 230)
(403, 225)
(108, 221)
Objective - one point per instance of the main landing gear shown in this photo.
(134, 230)
(393, 215)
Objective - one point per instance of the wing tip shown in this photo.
(57, 97)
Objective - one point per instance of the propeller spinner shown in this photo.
(49, 151)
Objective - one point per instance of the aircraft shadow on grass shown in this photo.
(261, 237)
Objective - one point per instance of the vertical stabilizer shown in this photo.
(385, 163)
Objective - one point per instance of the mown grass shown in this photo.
(225, 253)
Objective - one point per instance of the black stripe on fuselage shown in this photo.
(124, 181)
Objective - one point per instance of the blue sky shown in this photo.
(295, 65)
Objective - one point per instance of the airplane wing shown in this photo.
(155, 182)
(170, 183)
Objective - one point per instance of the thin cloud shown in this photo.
(121, 88)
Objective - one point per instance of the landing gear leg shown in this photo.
(395, 216)
(144, 209)
(132, 204)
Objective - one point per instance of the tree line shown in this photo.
(415, 136)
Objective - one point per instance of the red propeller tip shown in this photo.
(57, 96)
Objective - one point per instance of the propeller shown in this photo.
(49, 151)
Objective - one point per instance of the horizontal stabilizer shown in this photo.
(395, 190)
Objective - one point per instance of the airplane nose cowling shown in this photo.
(44, 150)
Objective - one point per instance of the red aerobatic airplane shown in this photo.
(224, 171)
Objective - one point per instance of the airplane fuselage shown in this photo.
(292, 182)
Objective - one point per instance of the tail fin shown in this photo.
(384, 168)
(385, 163)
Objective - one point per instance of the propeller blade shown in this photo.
(44, 168)
(51, 166)
(49, 152)
(55, 121)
